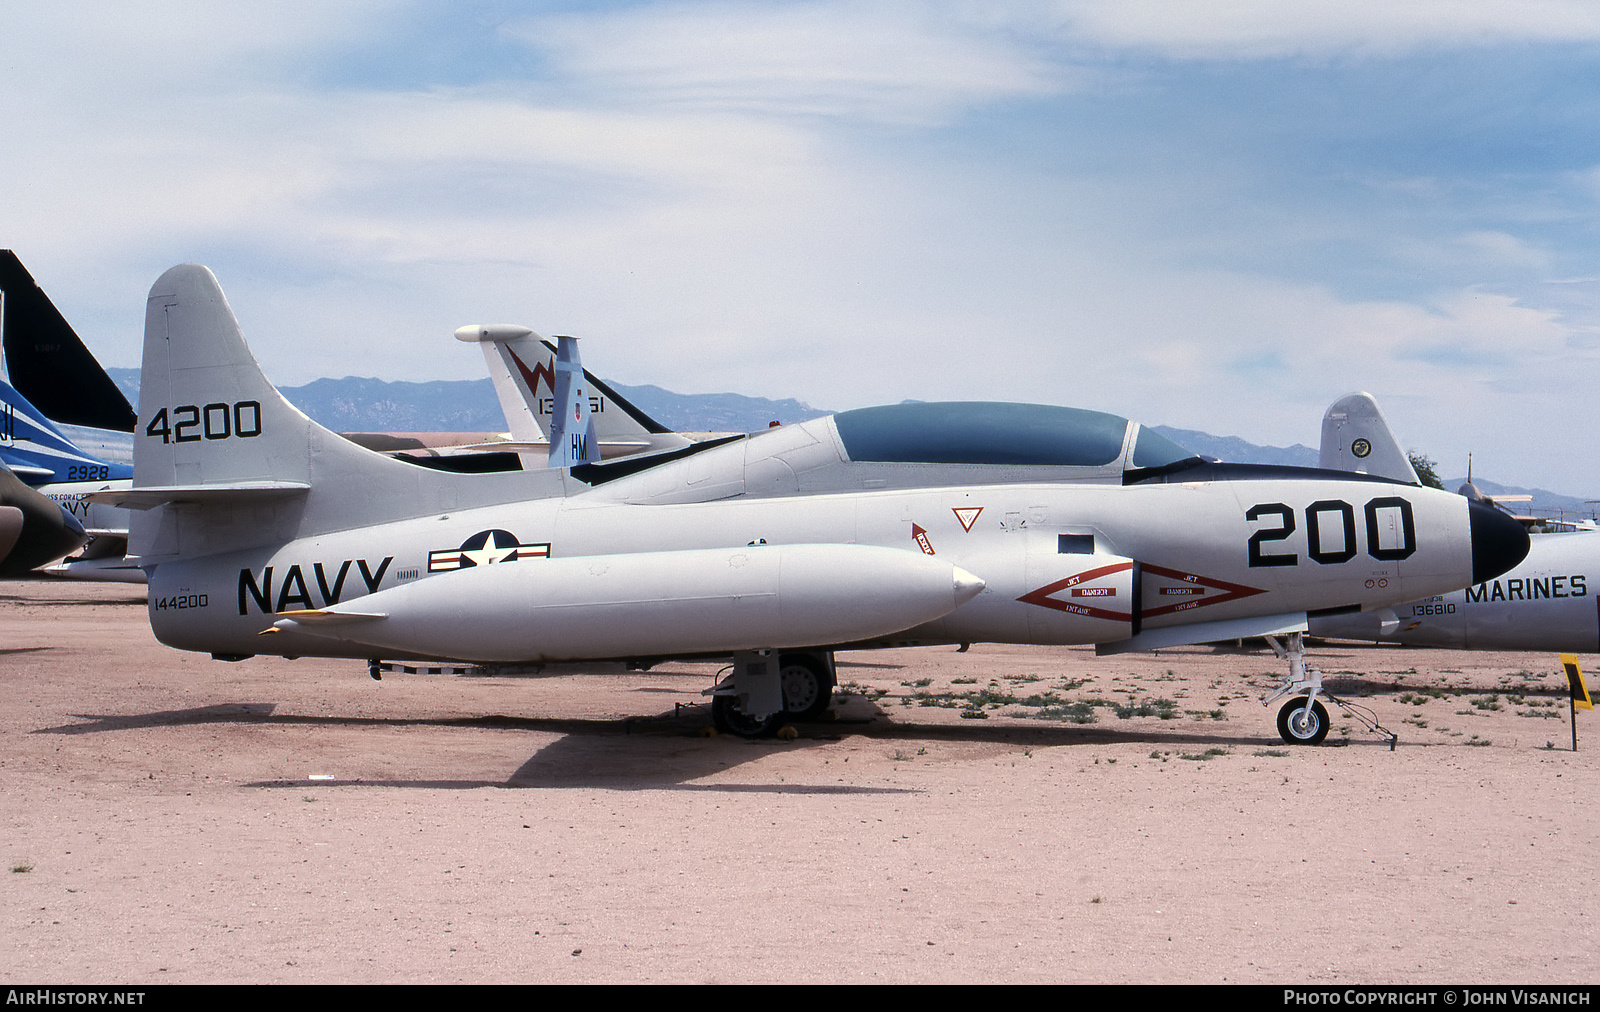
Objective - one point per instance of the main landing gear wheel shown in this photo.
(807, 688)
(729, 719)
(1298, 726)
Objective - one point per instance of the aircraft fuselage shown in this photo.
(1061, 564)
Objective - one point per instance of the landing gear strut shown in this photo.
(1303, 720)
(749, 702)
(765, 690)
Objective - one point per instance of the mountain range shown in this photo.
(358, 404)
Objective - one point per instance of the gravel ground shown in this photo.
(1008, 814)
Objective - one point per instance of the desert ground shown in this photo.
(1007, 814)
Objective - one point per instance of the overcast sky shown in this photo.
(1213, 214)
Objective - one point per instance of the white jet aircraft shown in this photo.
(1550, 601)
(263, 532)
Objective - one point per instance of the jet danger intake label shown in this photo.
(1074, 594)
(1162, 591)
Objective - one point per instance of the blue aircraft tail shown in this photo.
(572, 440)
(39, 453)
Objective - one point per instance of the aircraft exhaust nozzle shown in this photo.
(473, 333)
(38, 530)
(1499, 542)
(10, 528)
(651, 604)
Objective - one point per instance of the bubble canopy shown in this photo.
(988, 432)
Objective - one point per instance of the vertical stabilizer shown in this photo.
(222, 461)
(1355, 437)
(572, 439)
(523, 372)
(41, 454)
(46, 361)
(523, 368)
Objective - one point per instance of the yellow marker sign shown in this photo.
(1579, 691)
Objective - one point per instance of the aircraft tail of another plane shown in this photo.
(47, 362)
(572, 439)
(522, 366)
(222, 461)
(41, 454)
(1356, 437)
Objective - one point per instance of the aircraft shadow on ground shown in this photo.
(34, 602)
(669, 751)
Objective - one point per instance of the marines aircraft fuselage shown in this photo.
(1549, 602)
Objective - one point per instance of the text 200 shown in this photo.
(1331, 531)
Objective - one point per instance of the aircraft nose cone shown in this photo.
(1498, 542)
(967, 585)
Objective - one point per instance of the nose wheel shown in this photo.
(1299, 724)
(1303, 720)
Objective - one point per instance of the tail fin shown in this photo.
(46, 361)
(523, 368)
(572, 439)
(41, 454)
(222, 461)
(1355, 437)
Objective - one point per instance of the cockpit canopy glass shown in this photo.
(1155, 450)
(984, 432)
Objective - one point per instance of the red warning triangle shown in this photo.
(968, 515)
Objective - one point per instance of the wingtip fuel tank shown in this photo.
(474, 333)
(648, 604)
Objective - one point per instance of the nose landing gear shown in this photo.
(1303, 720)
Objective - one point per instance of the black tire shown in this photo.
(729, 719)
(1314, 727)
(807, 686)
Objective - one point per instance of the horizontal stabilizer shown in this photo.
(522, 366)
(160, 495)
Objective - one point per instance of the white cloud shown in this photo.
(1502, 249)
(771, 199)
(885, 62)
